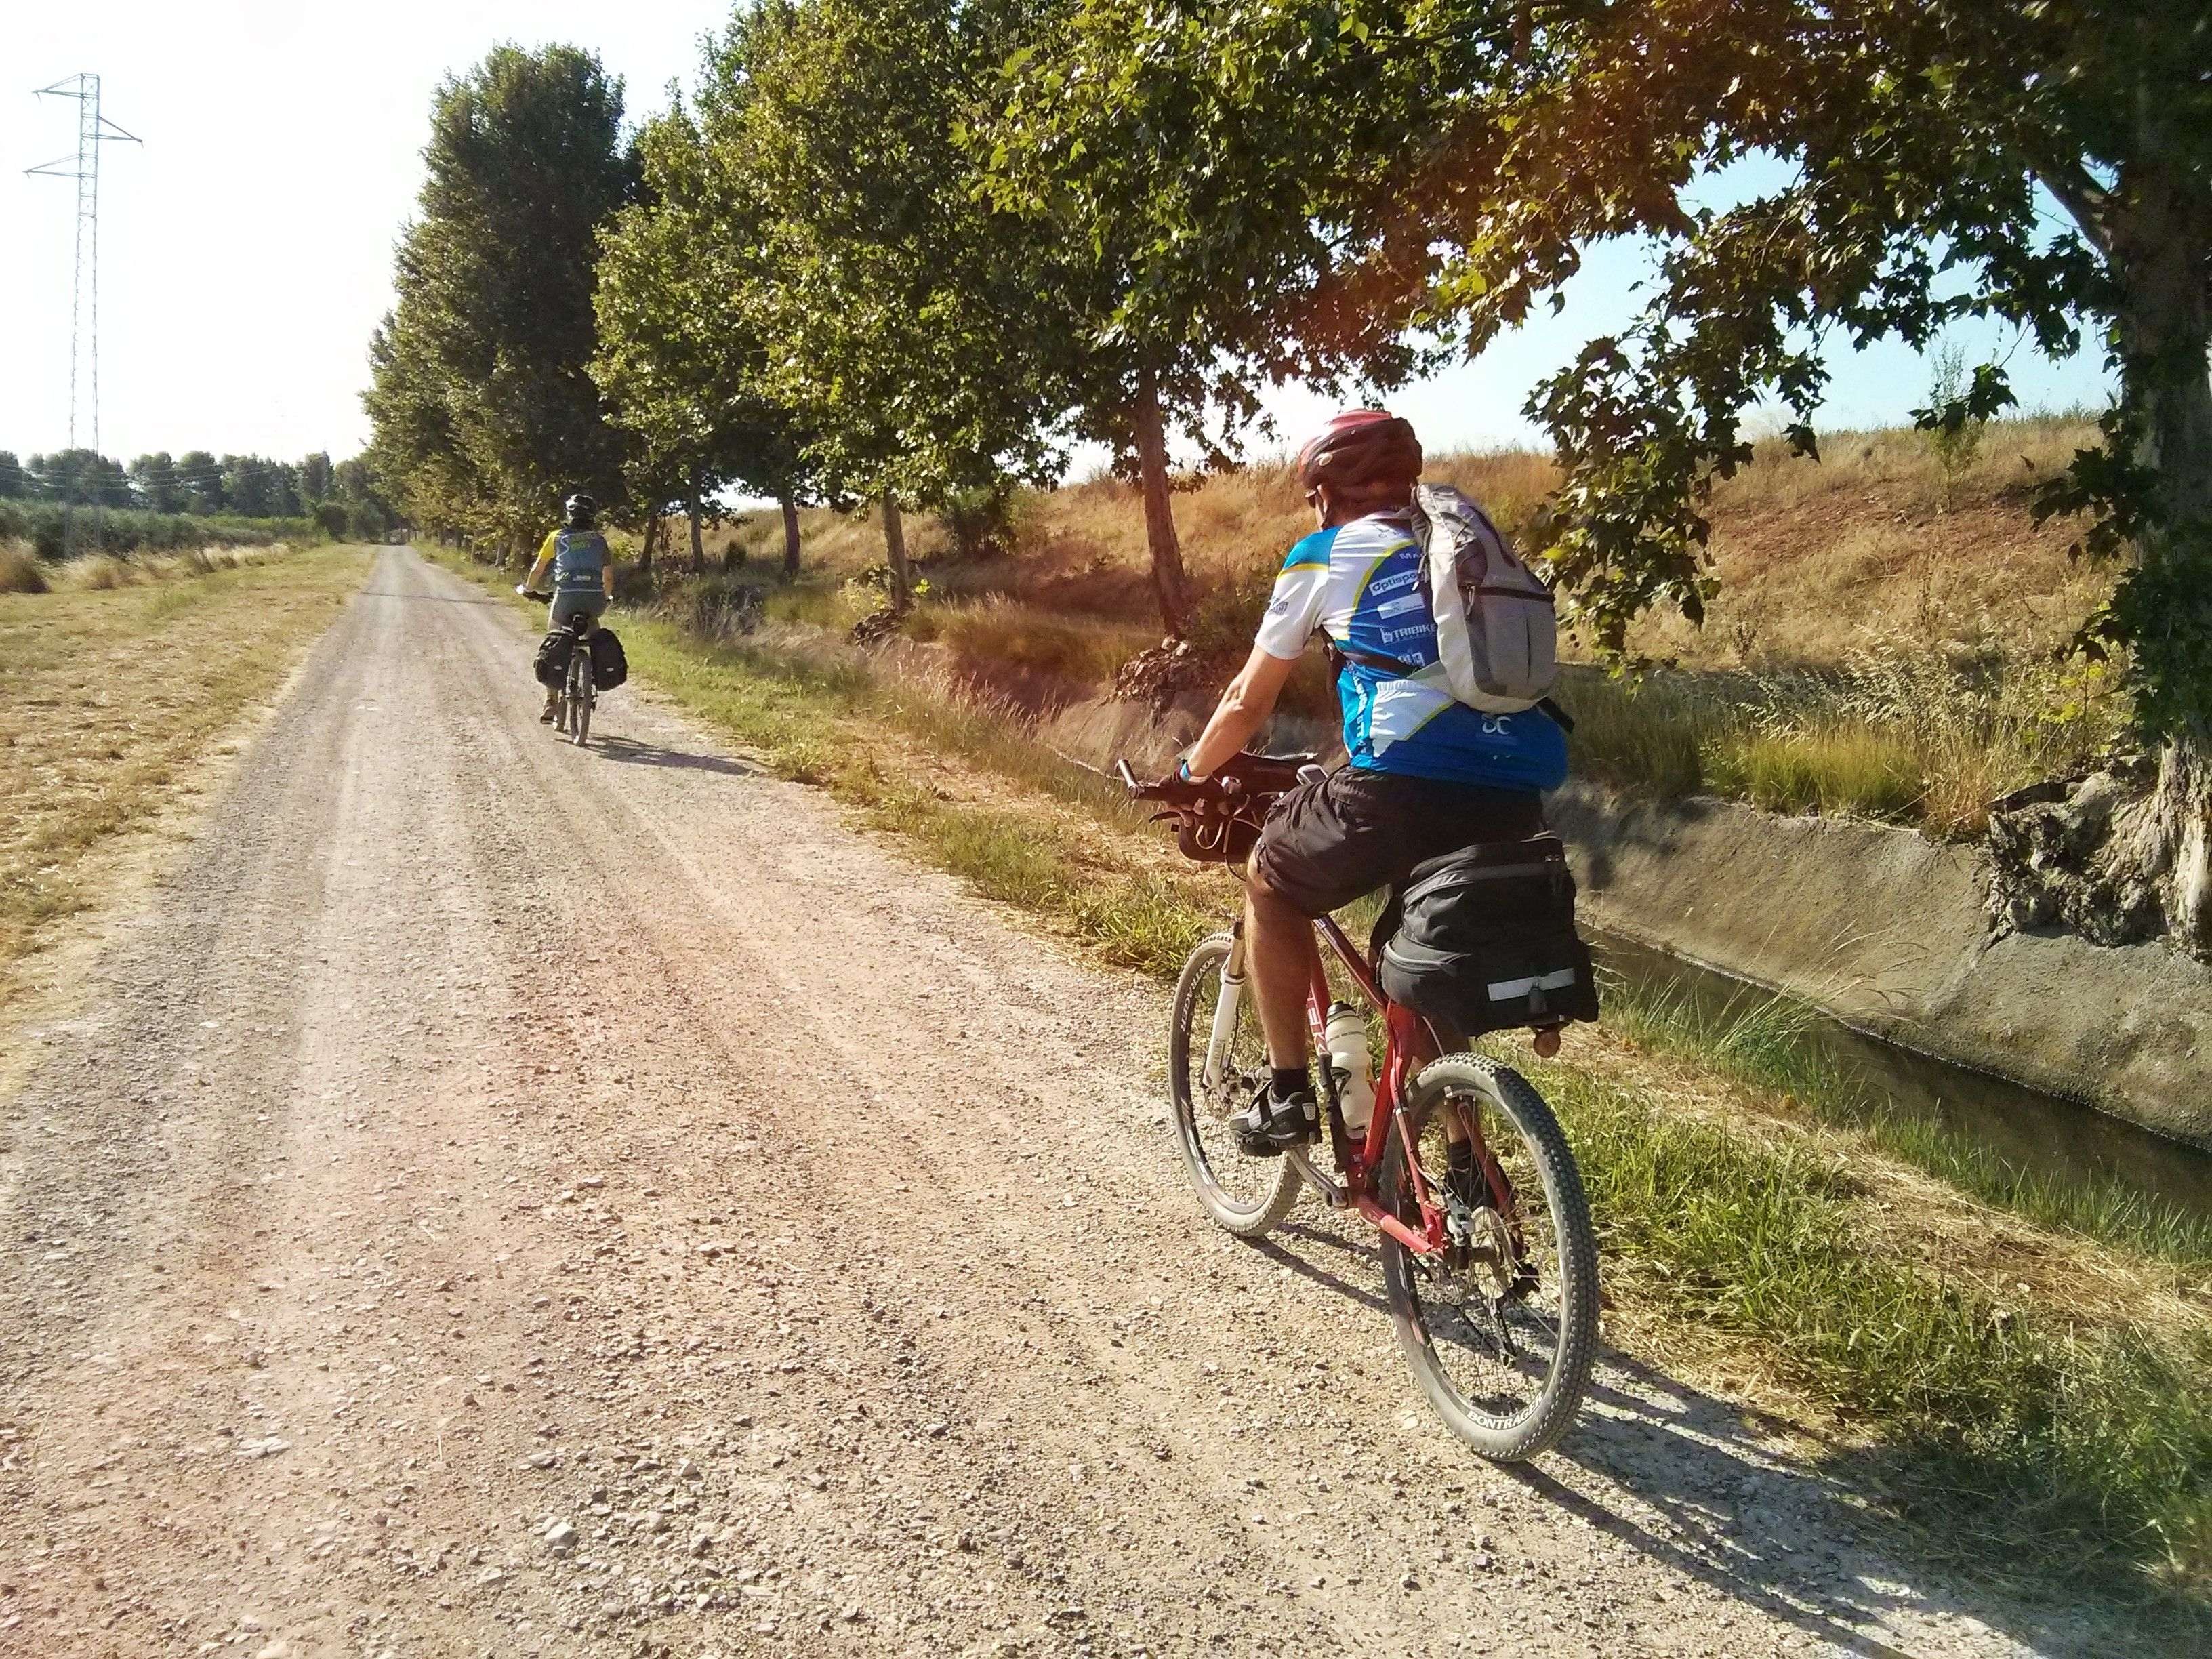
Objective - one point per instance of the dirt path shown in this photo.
(480, 1137)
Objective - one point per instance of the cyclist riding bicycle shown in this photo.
(583, 572)
(1425, 774)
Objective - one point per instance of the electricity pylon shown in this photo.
(93, 130)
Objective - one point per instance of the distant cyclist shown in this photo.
(1425, 774)
(583, 574)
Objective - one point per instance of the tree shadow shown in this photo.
(1724, 1495)
(631, 752)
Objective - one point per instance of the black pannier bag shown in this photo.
(609, 664)
(1486, 940)
(552, 665)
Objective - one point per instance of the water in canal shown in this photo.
(2038, 1133)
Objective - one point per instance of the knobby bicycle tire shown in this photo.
(1549, 1415)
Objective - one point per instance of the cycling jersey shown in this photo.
(1360, 583)
(580, 560)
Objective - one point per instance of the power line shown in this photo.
(93, 130)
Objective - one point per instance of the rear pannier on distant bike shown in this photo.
(551, 667)
(609, 664)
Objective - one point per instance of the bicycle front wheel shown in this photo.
(1500, 1326)
(1217, 1061)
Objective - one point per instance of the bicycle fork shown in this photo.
(1225, 1009)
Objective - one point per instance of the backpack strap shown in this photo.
(1339, 655)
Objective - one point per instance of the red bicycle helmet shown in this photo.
(1361, 446)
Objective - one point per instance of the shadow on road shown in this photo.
(1707, 1488)
(632, 752)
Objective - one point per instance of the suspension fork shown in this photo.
(1225, 1008)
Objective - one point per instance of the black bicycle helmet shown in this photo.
(1358, 448)
(580, 511)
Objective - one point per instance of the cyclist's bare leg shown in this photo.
(1279, 951)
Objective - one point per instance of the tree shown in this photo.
(370, 515)
(247, 486)
(1923, 139)
(483, 410)
(682, 361)
(154, 478)
(1202, 219)
(900, 310)
(1924, 147)
(80, 477)
(198, 481)
(12, 484)
(315, 480)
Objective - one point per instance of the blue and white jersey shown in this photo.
(1360, 583)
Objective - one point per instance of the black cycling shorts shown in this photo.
(1330, 842)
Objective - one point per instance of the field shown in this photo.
(1885, 642)
(116, 684)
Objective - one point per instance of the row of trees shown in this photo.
(909, 251)
(197, 482)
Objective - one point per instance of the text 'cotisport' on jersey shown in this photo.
(1360, 583)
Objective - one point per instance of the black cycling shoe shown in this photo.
(1268, 1128)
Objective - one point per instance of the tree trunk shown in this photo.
(645, 555)
(1170, 586)
(698, 549)
(895, 547)
(790, 538)
(2126, 855)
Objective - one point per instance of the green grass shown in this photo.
(2071, 1443)
(1767, 1041)
(2053, 1445)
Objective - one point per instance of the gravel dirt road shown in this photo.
(501, 1199)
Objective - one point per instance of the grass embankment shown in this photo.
(114, 692)
(2039, 1398)
(1881, 643)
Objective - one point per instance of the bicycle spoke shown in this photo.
(1490, 1336)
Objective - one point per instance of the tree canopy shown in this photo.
(483, 408)
(912, 250)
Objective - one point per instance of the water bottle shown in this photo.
(1347, 1058)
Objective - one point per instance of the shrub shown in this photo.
(21, 571)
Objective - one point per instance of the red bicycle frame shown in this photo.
(1405, 1034)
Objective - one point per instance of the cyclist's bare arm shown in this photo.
(1244, 709)
(543, 568)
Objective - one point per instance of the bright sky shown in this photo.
(246, 247)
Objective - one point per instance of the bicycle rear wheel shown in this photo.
(1247, 1196)
(1500, 1327)
(580, 694)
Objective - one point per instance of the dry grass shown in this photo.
(21, 571)
(101, 573)
(1816, 560)
(95, 736)
(1881, 643)
(1895, 733)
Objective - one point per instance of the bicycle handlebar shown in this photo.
(1244, 782)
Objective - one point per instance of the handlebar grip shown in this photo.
(1128, 778)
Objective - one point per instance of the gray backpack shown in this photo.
(1498, 631)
